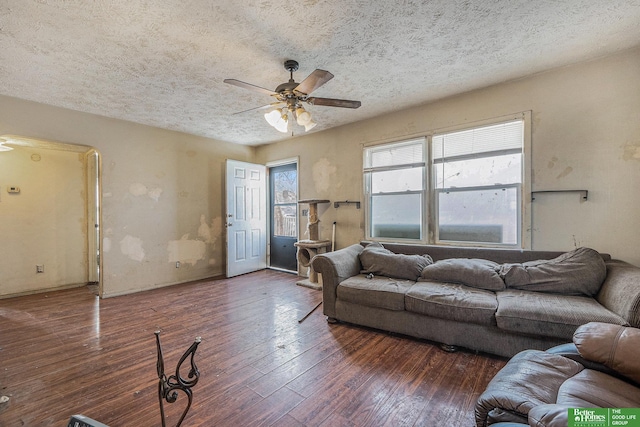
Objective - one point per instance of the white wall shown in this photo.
(163, 195)
(585, 135)
(43, 224)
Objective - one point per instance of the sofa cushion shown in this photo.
(550, 315)
(380, 261)
(611, 345)
(579, 272)
(452, 301)
(378, 291)
(549, 415)
(595, 389)
(511, 389)
(477, 273)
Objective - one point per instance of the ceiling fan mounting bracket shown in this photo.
(290, 65)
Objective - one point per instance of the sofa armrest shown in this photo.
(335, 267)
(620, 291)
(570, 351)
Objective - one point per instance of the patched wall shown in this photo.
(162, 198)
(585, 135)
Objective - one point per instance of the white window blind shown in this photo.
(407, 153)
(472, 142)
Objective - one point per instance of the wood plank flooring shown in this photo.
(68, 352)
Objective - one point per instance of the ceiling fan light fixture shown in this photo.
(283, 123)
(278, 120)
(292, 94)
(303, 117)
(309, 125)
(272, 117)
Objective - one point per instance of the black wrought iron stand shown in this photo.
(168, 387)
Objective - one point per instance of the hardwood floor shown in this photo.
(68, 352)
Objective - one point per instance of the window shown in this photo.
(394, 181)
(467, 188)
(477, 181)
(284, 201)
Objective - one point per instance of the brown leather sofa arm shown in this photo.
(570, 351)
(611, 345)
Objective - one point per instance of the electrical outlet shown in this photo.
(177, 264)
(40, 268)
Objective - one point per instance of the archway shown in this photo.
(53, 215)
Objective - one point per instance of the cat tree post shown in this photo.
(309, 248)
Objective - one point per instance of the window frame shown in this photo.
(368, 172)
(429, 194)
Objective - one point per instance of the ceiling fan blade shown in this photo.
(330, 102)
(313, 81)
(249, 86)
(273, 104)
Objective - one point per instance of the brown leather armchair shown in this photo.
(601, 369)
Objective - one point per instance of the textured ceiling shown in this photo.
(162, 62)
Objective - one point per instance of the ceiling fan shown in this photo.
(291, 95)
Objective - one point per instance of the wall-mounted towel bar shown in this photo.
(585, 193)
(337, 204)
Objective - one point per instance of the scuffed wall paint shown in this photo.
(190, 251)
(210, 233)
(323, 172)
(204, 231)
(186, 251)
(107, 235)
(556, 163)
(138, 189)
(631, 152)
(155, 194)
(132, 247)
(565, 172)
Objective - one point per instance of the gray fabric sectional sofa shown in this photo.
(500, 301)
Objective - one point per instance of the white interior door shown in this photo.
(246, 220)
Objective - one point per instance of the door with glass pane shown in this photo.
(283, 181)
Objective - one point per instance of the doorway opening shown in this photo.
(283, 213)
(71, 192)
(92, 162)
